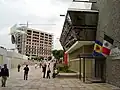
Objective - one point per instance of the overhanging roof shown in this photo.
(79, 44)
(82, 10)
(85, 17)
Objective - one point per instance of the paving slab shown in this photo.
(36, 82)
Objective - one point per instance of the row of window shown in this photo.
(47, 51)
(37, 34)
(38, 53)
(34, 41)
(45, 47)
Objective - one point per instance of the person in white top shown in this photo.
(35, 65)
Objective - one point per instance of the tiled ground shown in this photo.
(36, 82)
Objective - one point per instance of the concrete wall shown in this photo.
(109, 19)
(109, 23)
(12, 59)
(74, 60)
(75, 66)
(113, 71)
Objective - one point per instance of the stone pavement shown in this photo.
(36, 82)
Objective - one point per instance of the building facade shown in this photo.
(109, 24)
(81, 28)
(35, 43)
(77, 38)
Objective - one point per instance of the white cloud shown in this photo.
(35, 12)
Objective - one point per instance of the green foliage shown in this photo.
(62, 68)
(58, 54)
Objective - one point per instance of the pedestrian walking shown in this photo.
(44, 69)
(55, 72)
(0, 70)
(48, 72)
(35, 65)
(19, 67)
(26, 70)
(40, 64)
(4, 75)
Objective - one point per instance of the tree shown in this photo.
(58, 54)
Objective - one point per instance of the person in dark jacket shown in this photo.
(26, 70)
(48, 72)
(19, 67)
(4, 75)
(44, 70)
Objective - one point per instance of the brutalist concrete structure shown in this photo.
(109, 24)
(81, 28)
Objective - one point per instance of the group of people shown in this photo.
(26, 70)
(46, 69)
(4, 72)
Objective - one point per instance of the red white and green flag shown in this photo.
(107, 45)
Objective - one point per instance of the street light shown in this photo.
(62, 15)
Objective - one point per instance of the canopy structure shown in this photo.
(79, 44)
(17, 29)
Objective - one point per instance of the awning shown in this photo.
(82, 10)
(79, 44)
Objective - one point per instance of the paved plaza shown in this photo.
(36, 82)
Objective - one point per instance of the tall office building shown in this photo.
(35, 42)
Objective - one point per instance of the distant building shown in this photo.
(35, 43)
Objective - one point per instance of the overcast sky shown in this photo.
(35, 12)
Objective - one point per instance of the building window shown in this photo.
(50, 35)
(45, 42)
(42, 33)
(41, 41)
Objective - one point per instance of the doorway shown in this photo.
(100, 70)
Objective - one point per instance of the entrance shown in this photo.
(100, 69)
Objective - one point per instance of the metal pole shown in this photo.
(83, 69)
(80, 68)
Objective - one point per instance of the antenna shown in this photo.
(27, 24)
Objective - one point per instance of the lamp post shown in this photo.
(62, 15)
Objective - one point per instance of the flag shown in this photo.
(65, 58)
(97, 48)
(107, 45)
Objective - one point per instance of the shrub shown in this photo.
(62, 67)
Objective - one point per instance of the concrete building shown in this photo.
(109, 24)
(35, 43)
(81, 28)
(77, 38)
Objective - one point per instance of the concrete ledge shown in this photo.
(68, 75)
